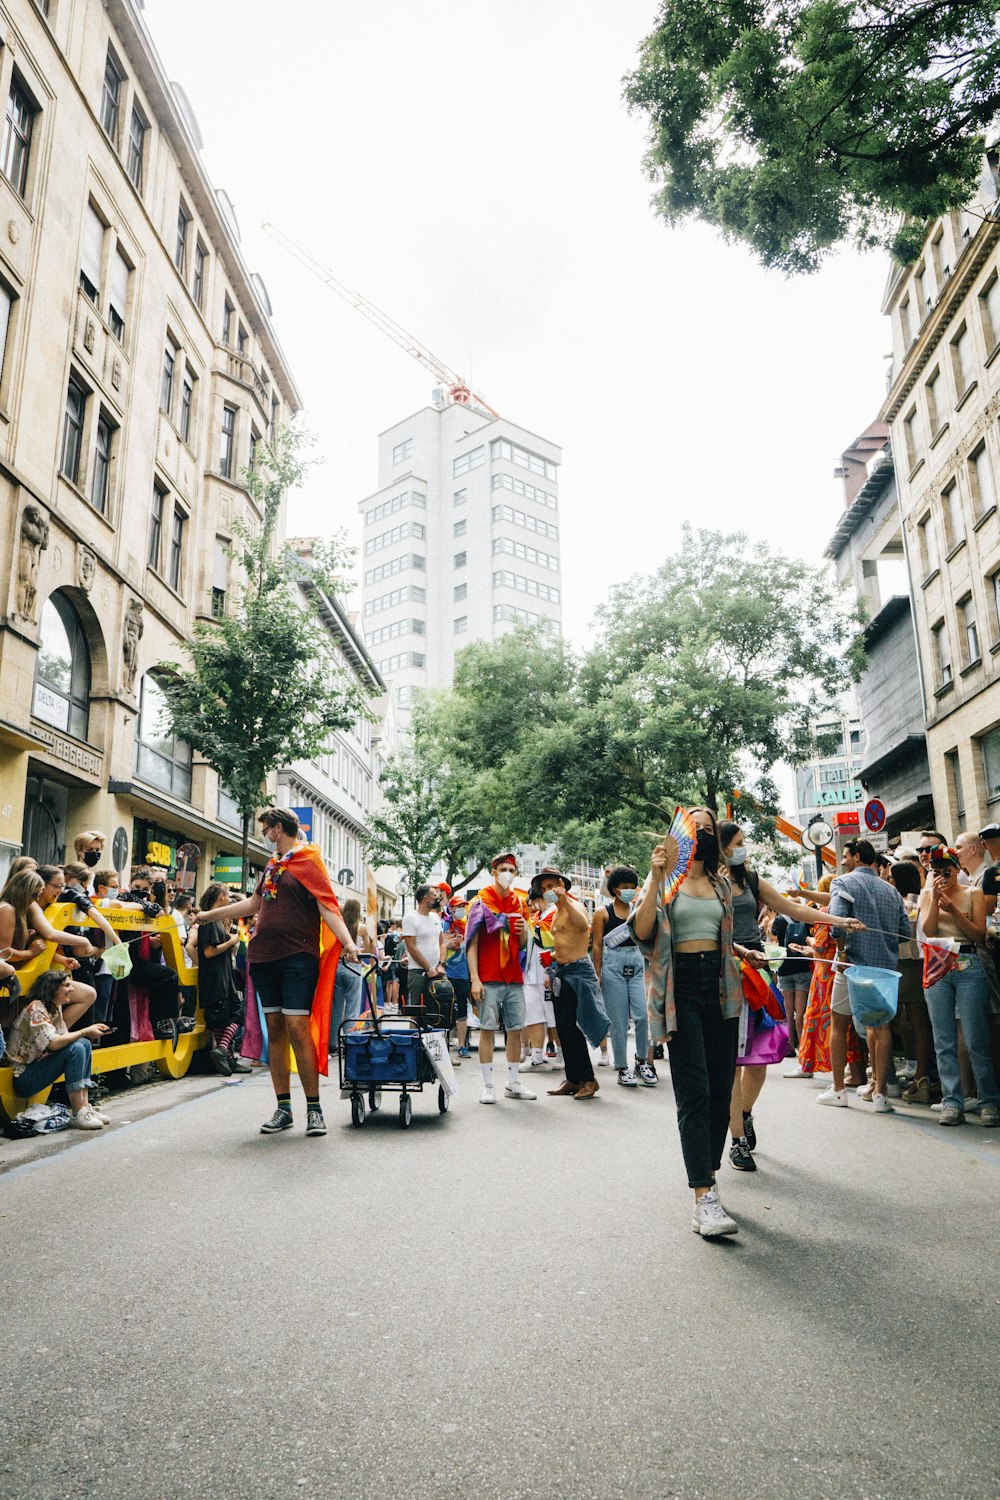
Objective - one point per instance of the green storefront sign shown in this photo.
(227, 869)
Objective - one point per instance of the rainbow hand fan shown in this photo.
(679, 844)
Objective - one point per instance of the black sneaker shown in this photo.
(315, 1124)
(280, 1120)
(740, 1158)
(550, 1049)
(749, 1134)
(220, 1061)
(658, 1052)
(240, 1064)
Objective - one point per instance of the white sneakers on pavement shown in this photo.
(489, 1094)
(836, 1097)
(710, 1219)
(86, 1118)
(881, 1105)
(518, 1091)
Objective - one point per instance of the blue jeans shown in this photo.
(968, 992)
(625, 998)
(73, 1060)
(346, 999)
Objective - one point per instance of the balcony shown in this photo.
(240, 369)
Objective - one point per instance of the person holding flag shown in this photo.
(293, 954)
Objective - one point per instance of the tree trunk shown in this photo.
(244, 875)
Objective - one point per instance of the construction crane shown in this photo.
(459, 393)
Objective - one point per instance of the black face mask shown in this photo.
(706, 845)
(92, 857)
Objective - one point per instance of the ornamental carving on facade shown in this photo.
(132, 635)
(89, 335)
(34, 541)
(86, 568)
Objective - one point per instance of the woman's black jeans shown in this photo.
(702, 1064)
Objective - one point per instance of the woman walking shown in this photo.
(694, 994)
(218, 990)
(618, 963)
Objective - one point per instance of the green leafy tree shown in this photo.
(260, 692)
(794, 125)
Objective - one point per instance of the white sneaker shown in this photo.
(867, 1092)
(518, 1091)
(86, 1119)
(603, 1060)
(531, 1066)
(489, 1094)
(104, 1119)
(710, 1219)
(798, 1071)
(836, 1097)
(881, 1105)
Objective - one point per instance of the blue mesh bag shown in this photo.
(874, 995)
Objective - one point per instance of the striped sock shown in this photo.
(312, 1101)
(285, 1102)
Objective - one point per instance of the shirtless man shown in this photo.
(576, 993)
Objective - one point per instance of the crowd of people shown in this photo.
(685, 975)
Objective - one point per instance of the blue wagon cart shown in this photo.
(386, 1055)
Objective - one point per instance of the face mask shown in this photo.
(628, 896)
(707, 845)
(549, 898)
(92, 857)
(505, 879)
(271, 836)
(739, 855)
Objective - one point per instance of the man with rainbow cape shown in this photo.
(296, 944)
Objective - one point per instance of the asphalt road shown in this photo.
(503, 1302)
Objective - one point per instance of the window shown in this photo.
(501, 448)
(118, 301)
(955, 789)
(6, 304)
(92, 255)
(942, 655)
(227, 322)
(136, 159)
(934, 408)
(460, 559)
(522, 550)
(156, 528)
(990, 744)
(198, 284)
(398, 502)
(460, 497)
(402, 451)
(181, 247)
(461, 624)
(62, 669)
(971, 630)
(504, 579)
(460, 592)
(167, 379)
(989, 308)
(100, 488)
(920, 297)
(984, 496)
(17, 136)
(242, 339)
(905, 323)
(911, 438)
(408, 594)
(252, 454)
(471, 460)
(220, 577)
(228, 441)
(954, 515)
(72, 443)
(114, 77)
(459, 528)
(187, 403)
(175, 559)
(529, 522)
(928, 546)
(963, 361)
(160, 757)
(995, 586)
(522, 487)
(272, 431)
(395, 565)
(514, 615)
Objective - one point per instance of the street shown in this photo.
(504, 1301)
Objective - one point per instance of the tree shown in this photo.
(793, 125)
(260, 692)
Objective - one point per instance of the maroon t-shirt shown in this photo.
(288, 924)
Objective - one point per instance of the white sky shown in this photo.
(472, 170)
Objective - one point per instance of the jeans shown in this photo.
(702, 1055)
(73, 1061)
(346, 999)
(624, 999)
(968, 992)
(576, 1053)
(161, 985)
(104, 984)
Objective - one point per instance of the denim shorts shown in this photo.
(286, 984)
(791, 984)
(502, 1007)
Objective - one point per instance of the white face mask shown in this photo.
(550, 898)
(505, 879)
(738, 856)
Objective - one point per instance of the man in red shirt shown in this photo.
(293, 901)
(496, 930)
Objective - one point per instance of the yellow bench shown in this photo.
(174, 1064)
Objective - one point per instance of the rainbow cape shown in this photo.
(493, 909)
(305, 864)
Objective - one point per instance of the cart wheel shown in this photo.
(374, 1099)
(358, 1109)
(442, 1101)
(405, 1112)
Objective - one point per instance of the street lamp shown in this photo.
(402, 887)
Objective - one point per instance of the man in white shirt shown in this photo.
(424, 939)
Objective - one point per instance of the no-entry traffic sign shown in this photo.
(874, 815)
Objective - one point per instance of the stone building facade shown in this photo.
(139, 369)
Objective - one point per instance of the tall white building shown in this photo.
(461, 542)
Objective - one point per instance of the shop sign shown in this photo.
(71, 752)
(227, 869)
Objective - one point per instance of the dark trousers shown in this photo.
(160, 983)
(702, 1064)
(576, 1053)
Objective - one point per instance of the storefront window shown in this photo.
(62, 670)
(160, 757)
